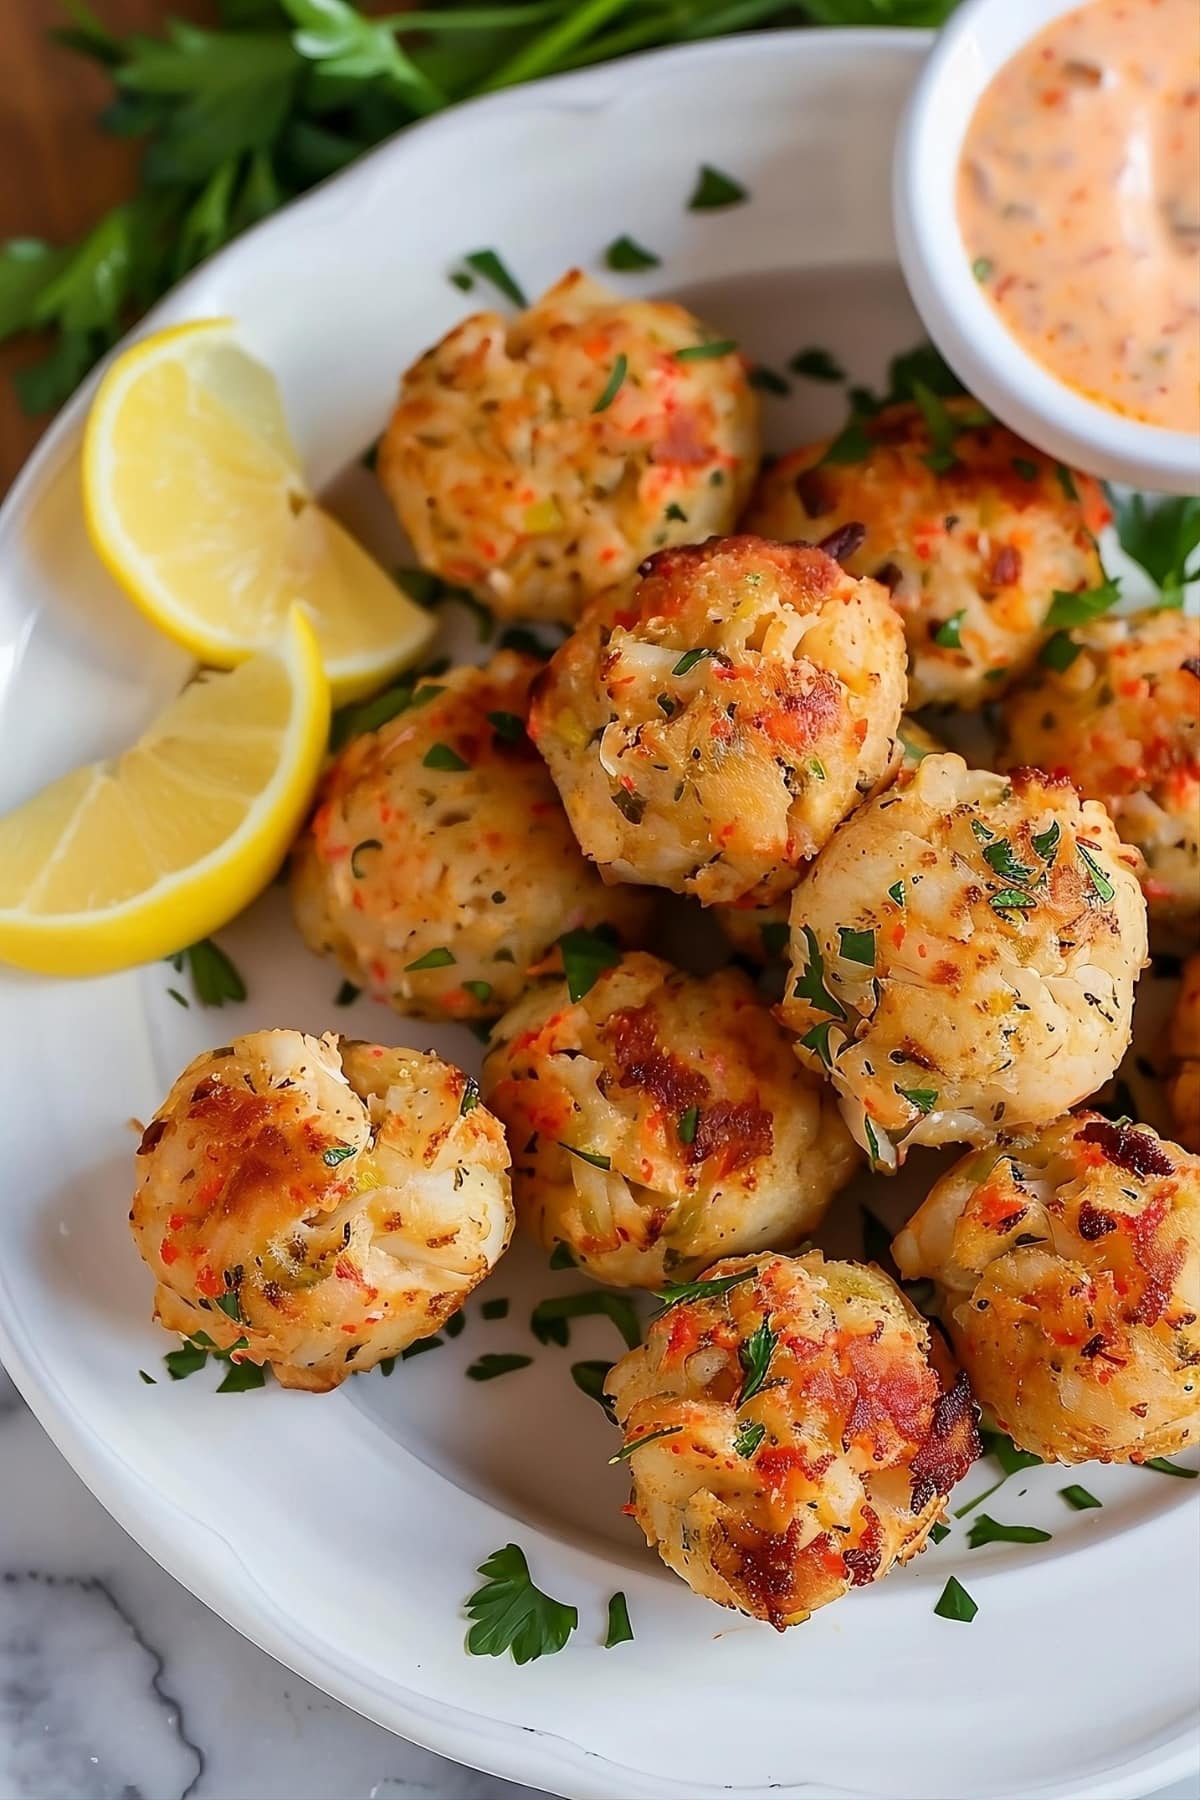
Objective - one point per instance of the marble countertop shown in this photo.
(115, 1684)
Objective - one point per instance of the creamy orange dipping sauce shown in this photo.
(1079, 204)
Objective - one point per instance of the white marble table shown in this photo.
(115, 1684)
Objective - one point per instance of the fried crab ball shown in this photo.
(539, 458)
(760, 933)
(964, 954)
(1068, 1267)
(1122, 719)
(787, 1433)
(318, 1203)
(1183, 1081)
(712, 722)
(972, 529)
(439, 867)
(660, 1121)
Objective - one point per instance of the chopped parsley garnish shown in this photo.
(1099, 880)
(857, 946)
(688, 1121)
(649, 1437)
(817, 365)
(705, 352)
(755, 1357)
(511, 1614)
(999, 1445)
(817, 1040)
(943, 426)
(688, 661)
(1079, 1497)
(214, 978)
(986, 1530)
(816, 769)
(454, 1325)
(347, 994)
(620, 1631)
(938, 1532)
(810, 985)
(612, 386)
(1162, 1466)
(956, 1603)
(775, 935)
(242, 1378)
(441, 958)
(626, 255)
(982, 267)
(1028, 471)
(494, 1309)
(851, 445)
(1045, 843)
(589, 1378)
(750, 1434)
(441, 756)
(585, 957)
(479, 990)
(677, 1293)
(896, 892)
(872, 1138)
(1011, 900)
(1001, 861)
(358, 852)
(1162, 534)
(492, 1364)
(1059, 652)
(924, 1099)
(179, 999)
(470, 1097)
(461, 280)
(419, 1346)
(675, 511)
(769, 381)
(506, 725)
(561, 1258)
(185, 1362)
(595, 1157)
(631, 806)
(549, 1319)
(353, 721)
(489, 265)
(386, 1364)
(983, 832)
(337, 1153)
(714, 189)
(1068, 609)
(1066, 481)
(948, 635)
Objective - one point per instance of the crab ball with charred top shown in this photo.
(712, 722)
(972, 530)
(661, 1120)
(1121, 717)
(539, 458)
(319, 1204)
(439, 867)
(964, 956)
(788, 1434)
(1068, 1267)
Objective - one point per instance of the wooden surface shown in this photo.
(60, 171)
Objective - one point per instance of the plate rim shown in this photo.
(206, 1565)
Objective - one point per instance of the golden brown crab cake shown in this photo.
(712, 722)
(319, 1204)
(972, 548)
(539, 458)
(760, 933)
(1067, 1262)
(439, 867)
(1183, 1080)
(1121, 717)
(657, 1122)
(787, 1433)
(964, 955)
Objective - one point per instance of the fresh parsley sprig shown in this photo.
(511, 1613)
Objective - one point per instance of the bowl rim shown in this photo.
(979, 38)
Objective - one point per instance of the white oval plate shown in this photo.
(342, 1533)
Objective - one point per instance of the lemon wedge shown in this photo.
(196, 501)
(126, 860)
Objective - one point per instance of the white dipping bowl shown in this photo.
(980, 38)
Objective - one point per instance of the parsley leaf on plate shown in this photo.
(548, 1320)
(511, 1614)
(620, 1631)
(1162, 534)
(585, 956)
(214, 977)
(715, 189)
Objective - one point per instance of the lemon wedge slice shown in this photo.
(196, 501)
(126, 860)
